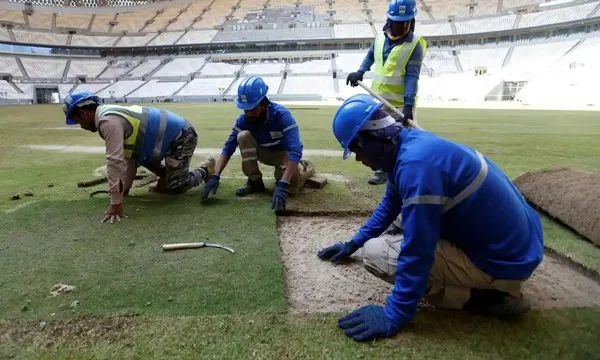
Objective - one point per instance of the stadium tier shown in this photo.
(509, 67)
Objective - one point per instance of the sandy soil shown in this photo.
(313, 285)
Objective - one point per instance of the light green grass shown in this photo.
(234, 305)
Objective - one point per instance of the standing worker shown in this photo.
(139, 136)
(469, 239)
(397, 54)
(265, 132)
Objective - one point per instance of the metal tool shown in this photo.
(412, 123)
(182, 246)
(98, 192)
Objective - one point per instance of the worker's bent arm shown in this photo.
(222, 163)
(229, 148)
(369, 60)
(291, 168)
(129, 175)
(112, 132)
(385, 214)
(423, 194)
(411, 79)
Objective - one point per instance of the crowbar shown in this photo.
(182, 246)
(412, 123)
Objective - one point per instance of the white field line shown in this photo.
(20, 206)
(199, 151)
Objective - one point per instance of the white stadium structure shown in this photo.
(480, 51)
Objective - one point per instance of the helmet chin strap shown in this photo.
(393, 38)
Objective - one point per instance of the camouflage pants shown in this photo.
(175, 174)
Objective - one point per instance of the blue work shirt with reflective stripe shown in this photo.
(279, 132)
(413, 68)
(495, 227)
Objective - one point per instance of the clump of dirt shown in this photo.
(313, 285)
(81, 330)
(569, 195)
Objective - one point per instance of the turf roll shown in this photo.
(569, 195)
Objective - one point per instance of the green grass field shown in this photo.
(135, 302)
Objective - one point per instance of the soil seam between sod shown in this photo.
(572, 263)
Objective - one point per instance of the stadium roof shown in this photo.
(88, 3)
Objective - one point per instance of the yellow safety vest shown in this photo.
(388, 80)
(136, 117)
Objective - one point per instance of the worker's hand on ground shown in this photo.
(114, 212)
(408, 114)
(280, 195)
(366, 323)
(338, 252)
(211, 186)
(354, 77)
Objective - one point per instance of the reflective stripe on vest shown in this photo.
(139, 118)
(448, 202)
(389, 77)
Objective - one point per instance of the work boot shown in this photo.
(160, 187)
(208, 166)
(251, 187)
(496, 303)
(377, 178)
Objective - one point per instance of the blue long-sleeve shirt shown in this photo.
(413, 68)
(279, 132)
(495, 227)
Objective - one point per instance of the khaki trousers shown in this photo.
(252, 153)
(452, 275)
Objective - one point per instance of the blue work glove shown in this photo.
(211, 185)
(366, 323)
(280, 195)
(338, 252)
(354, 77)
(408, 114)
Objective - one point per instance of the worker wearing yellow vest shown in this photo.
(139, 136)
(397, 54)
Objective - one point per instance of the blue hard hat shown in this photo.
(402, 10)
(75, 99)
(250, 92)
(351, 117)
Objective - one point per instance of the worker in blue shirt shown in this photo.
(265, 132)
(398, 55)
(469, 239)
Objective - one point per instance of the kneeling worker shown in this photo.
(139, 136)
(265, 132)
(469, 239)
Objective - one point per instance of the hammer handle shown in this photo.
(167, 247)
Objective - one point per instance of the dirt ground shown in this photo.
(313, 285)
(570, 195)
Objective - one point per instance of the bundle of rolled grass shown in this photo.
(569, 195)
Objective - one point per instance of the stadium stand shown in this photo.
(120, 89)
(89, 68)
(481, 48)
(181, 67)
(206, 86)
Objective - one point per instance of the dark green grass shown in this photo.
(121, 268)
(557, 334)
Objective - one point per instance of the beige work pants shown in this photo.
(452, 275)
(252, 153)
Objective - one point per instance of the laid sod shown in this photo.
(557, 334)
(208, 303)
(121, 269)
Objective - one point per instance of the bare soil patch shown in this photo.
(88, 330)
(569, 195)
(313, 285)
